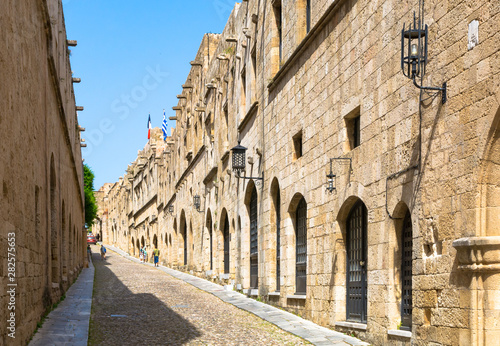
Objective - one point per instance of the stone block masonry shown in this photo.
(403, 248)
(42, 235)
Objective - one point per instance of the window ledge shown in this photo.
(400, 333)
(224, 156)
(251, 112)
(274, 294)
(252, 292)
(306, 43)
(296, 296)
(353, 325)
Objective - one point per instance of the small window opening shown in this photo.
(353, 127)
(297, 145)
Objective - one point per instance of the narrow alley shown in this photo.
(137, 304)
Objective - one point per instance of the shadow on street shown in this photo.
(122, 317)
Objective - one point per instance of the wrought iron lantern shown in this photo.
(239, 158)
(414, 54)
(196, 202)
(171, 209)
(238, 161)
(331, 183)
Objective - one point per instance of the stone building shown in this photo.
(372, 206)
(42, 206)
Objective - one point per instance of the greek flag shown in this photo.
(149, 126)
(164, 126)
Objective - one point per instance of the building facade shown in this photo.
(42, 215)
(366, 204)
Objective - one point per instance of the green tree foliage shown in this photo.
(90, 203)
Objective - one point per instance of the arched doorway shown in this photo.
(254, 240)
(210, 239)
(406, 272)
(276, 221)
(191, 243)
(301, 247)
(155, 241)
(183, 234)
(356, 246)
(226, 237)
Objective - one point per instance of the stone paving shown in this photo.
(191, 316)
(68, 324)
(137, 304)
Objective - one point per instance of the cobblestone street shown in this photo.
(138, 304)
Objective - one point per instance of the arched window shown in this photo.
(406, 272)
(184, 235)
(356, 263)
(301, 247)
(254, 247)
(278, 238)
(226, 245)
(210, 239)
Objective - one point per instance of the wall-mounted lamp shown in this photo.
(414, 44)
(331, 184)
(196, 202)
(170, 209)
(238, 162)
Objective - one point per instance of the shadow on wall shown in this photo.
(121, 317)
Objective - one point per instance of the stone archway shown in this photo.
(210, 239)
(489, 183)
(183, 246)
(479, 256)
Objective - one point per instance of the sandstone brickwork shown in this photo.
(42, 209)
(313, 87)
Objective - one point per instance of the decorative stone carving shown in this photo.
(478, 253)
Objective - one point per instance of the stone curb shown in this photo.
(68, 324)
(287, 321)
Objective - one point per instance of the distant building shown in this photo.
(42, 215)
(378, 209)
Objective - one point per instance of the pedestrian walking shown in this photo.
(103, 252)
(145, 254)
(141, 255)
(156, 254)
(89, 252)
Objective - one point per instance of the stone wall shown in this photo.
(406, 168)
(41, 166)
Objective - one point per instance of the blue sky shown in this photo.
(132, 56)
